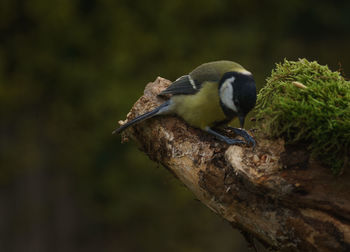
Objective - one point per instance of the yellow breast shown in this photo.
(202, 109)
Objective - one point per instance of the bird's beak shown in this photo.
(241, 121)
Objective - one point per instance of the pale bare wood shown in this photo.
(278, 194)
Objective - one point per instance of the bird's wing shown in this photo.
(207, 72)
(183, 85)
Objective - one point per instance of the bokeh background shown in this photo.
(70, 69)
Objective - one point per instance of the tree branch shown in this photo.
(276, 193)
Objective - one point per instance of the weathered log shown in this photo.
(276, 193)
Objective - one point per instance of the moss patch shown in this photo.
(306, 102)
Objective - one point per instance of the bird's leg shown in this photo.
(243, 133)
(224, 138)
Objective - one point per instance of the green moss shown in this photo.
(318, 115)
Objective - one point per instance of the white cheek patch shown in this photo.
(226, 94)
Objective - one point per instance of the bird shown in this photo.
(209, 98)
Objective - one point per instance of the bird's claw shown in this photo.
(235, 142)
(248, 138)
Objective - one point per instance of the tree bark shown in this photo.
(276, 193)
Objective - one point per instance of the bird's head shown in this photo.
(237, 93)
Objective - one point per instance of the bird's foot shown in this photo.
(231, 141)
(225, 139)
(243, 133)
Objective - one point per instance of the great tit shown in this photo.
(209, 97)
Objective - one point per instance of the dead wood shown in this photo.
(276, 193)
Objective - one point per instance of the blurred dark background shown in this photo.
(70, 69)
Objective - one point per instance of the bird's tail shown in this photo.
(162, 109)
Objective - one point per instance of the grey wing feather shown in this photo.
(183, 85)
(212, 72)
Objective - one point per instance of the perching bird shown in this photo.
(209, 97)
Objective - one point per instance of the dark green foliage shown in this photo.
(318, 115)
